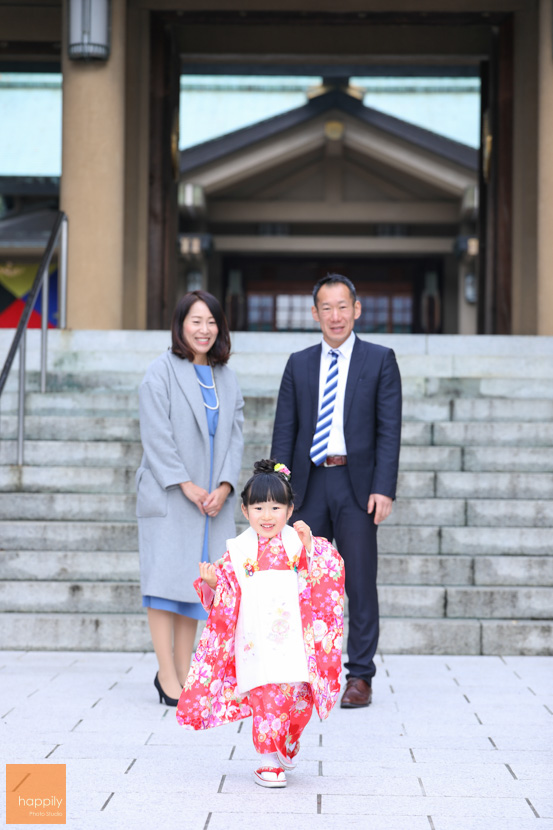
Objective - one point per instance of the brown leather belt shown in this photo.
(335, 461)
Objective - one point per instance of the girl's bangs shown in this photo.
(267, 488)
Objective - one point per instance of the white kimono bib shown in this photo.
(269, 644)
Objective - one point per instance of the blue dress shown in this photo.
(195, 610)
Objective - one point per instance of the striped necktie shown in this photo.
(324, 421)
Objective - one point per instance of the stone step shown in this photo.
(121, 480)
(122, 428)
(500, 602)
(77, 507)
(502, 435)
(505, 513)
(429, 409)
(428, 512)
(116, 341)
(494, 485)
(408, 539)
(76, 566)
(121, 382)
(90, 536)
(430, 458)
(81, 507)
(525, 637)
(67, 479)
(495, 541)
(513, 570)
(130, 632)
(122, 566)
(473, 387)
(100, 357)
(392, 539)
(486, 409)
(72, 428)
(507, 459)
(69, 453)
(56, 596)
(114, 404)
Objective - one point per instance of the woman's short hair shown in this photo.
(267, 485)
(220, 351)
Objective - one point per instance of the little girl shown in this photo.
(272, 646)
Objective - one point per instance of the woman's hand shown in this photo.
(197, 495)
(304, 532)
(216, 499)
(209, 574)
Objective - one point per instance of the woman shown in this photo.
(191, 428)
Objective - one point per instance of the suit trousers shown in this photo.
(331, 510)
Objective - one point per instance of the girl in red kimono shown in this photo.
(272, 646)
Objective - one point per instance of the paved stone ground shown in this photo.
(450, 743)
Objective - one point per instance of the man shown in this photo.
(337, 427)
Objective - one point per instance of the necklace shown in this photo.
(214, 387)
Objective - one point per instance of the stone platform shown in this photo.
(449, 743)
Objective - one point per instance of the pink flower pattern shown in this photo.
(210, 696)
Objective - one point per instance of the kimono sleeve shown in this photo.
(210, 696)
(326, 582)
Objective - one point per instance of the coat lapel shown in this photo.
(355, 365)
(186, 378)
(314, 368)
(227, 398)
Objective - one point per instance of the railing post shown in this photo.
(21, 409)
(62, 321)
(44, 332)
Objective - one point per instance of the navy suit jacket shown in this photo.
(372, 419)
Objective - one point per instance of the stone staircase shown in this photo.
(466, 564)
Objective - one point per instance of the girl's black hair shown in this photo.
(267, 485)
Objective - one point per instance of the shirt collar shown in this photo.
(344, 350)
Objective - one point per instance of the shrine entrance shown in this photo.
(398, 296)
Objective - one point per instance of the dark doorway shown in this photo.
(398, 296)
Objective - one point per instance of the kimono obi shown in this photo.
(269, 645)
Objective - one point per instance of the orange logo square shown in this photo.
(36, 794)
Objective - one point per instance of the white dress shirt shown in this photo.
(336, 440)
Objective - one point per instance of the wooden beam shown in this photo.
(401, 156)
(431, 8)
(27, 24)
(378, 182)
(359, 212)
(276, 189)
(342, 245)
(259, 159)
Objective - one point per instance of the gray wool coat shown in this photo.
(175, 438)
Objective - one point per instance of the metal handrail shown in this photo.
(58, 234)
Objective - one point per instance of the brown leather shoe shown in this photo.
(358, 693)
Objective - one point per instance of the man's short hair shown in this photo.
(334, 279)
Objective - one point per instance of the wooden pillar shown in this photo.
(92, 182)
(163, 209)
(545, 169)
(496, 184)
(137, 142)
(504, 197)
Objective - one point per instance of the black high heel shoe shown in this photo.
(169, 701)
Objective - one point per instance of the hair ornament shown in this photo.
(281, 468)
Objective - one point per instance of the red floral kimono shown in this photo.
(210, 696)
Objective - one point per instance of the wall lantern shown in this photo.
(89, 29)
